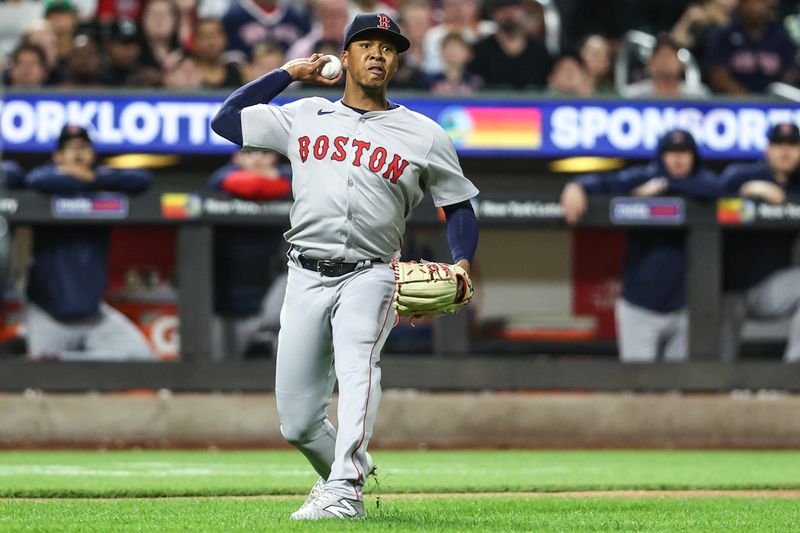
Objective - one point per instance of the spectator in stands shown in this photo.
(267, 57)
(329, 47)
(249, 22)
(580, 18)
(12, 174)
(111, 10)
(42, 35)
(187, 22)
(651, 314)
(509, 58)
(210, 42)
(160, 38)
(789, 13)
(410, 73)
(410, 77)
(759, 281)
(597, 56)
(369, 6)
(65, 316)
(182, 72)
(534, 20)
(570, 77)
(123, 52)
(750, 53)
(330, 20)
(461, 16)
(415, 21)
(213, 8)
(83, 65)
(246, 259)
(455, 79)
(63, 18)
(15, 16)
(699, 22)
(654, 16)
(666, 75)
(28, 68)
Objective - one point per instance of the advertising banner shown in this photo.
(539, 128)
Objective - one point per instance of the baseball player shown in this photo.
(12, 175)
(360, 165)
(651, 314)
(759, 280)
(244, 257)
(65, 316)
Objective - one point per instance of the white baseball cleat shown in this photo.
(329, 505)
(316, 490)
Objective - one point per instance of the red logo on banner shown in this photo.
(383, 22)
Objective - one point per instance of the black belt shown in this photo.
(329, 268)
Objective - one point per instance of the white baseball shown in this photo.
(332, 68)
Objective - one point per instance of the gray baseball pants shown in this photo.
(776, 297)
(333, 328)
(108, 337)
(643, 334)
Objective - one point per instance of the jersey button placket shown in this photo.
(350, 194)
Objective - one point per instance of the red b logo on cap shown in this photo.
(383, 22)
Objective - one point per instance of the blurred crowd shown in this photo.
(564, 47)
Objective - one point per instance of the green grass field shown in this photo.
(230, 491)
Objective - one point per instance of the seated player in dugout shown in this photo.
(246, 258)
(65, 316)
(651, 316)
(759, 280)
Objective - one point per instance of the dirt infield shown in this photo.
(788, 494)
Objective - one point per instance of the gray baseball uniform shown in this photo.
(775, 297)
(110, 336)
(356, 177)
(642, 334)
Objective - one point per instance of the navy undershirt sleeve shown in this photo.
(228, 121)
(49, 180)
(462, 230)
(130, 181)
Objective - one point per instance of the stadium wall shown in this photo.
(410, 420)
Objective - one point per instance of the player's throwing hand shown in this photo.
(307, 70)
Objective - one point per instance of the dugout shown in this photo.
(542, 319)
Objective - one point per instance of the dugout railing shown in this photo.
(201, 212)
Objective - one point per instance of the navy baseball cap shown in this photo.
(784, 133)
(122, 31)
(72, 131)
(368, 22)
(677, 141)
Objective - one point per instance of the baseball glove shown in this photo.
(425, 288)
